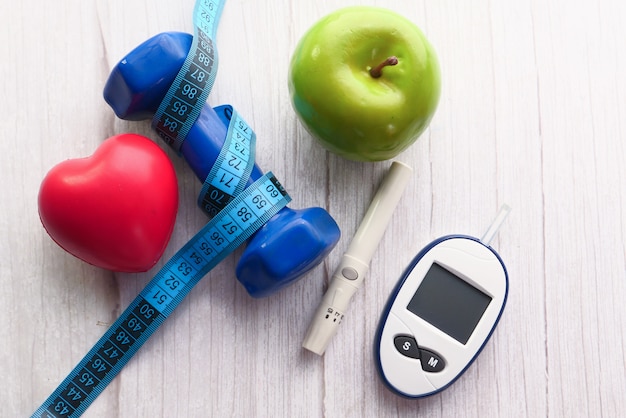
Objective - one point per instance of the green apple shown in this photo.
(365, 82)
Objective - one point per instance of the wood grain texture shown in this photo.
(532, 113)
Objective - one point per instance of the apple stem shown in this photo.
(377, 71)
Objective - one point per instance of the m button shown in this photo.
(431, 362)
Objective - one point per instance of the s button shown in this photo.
(407, 346)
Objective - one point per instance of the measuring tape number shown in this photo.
(238, 214)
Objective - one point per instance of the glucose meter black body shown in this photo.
(440, 315)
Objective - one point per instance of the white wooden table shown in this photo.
(532, 113)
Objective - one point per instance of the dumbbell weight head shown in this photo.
(288, 245)
(138, 83)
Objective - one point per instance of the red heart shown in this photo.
(115, 209)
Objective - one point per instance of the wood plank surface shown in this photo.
(532, 114)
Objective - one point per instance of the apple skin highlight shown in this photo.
(350, 112)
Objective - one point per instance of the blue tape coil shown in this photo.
(238, 214)
(233, 165)
(183, 102)
(243, 216)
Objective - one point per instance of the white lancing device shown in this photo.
(349, 275)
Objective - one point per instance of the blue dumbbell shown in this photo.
(289, 244)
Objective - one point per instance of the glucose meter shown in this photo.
(441, 313)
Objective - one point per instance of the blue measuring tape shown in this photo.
(238, 214)
(243, 216)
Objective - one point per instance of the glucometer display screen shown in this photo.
(449, 303)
